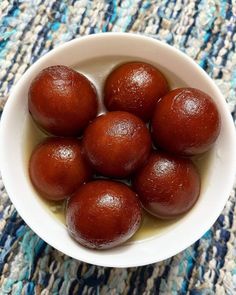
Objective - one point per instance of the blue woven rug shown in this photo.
(206, 31)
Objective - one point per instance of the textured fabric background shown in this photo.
(205, 30)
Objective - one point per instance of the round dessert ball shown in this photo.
(103, 214)
(116, 144)
(186, 122)
(167, 185)
(134, 87)
(57, 168)
(62, 101)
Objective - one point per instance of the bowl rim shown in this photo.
(5, 169)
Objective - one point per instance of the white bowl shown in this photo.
(217, 179)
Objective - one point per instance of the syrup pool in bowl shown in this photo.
(96, 70)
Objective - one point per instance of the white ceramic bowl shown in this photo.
(218, 178)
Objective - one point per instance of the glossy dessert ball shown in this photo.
(57, 168)
(62, 101)
(186, 122)
(167, 185)
(103, 214)
(134, 87)
(116, 144)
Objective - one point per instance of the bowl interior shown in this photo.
(95, 56)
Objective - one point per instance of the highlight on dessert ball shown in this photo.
(103, 214)
(116, 144)
(167, 185)
(57, 167)
(186, 121)
(62, 101)
(112, 168)
(134, 87)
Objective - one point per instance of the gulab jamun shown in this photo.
(103, 214)
(116, 144)
(57, 168)
(62, 101)
(186, 121)
(167, 185)
(134, 87)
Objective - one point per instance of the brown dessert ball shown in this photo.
(167, 185)
(103, 214)
(134, 87)
(186, 122)
(116, 144)
(57, 168)
(62, 101)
